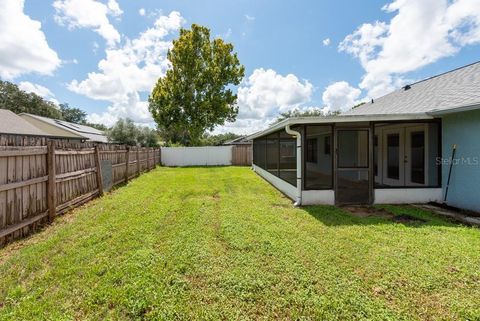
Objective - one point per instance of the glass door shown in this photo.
(416, 167)
(353, 184)
(393, 157)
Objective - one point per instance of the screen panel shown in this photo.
(318, 157)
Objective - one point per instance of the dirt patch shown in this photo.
(406, 219)
(280, 205)
(370, 211)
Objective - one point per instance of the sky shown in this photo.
(104, 56)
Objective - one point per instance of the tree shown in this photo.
(219, 139)
(316, 112)
(101, 127)
(359, 104)
(19, 101)
(147, 136)
(126, 132)
(72, 114)
(196, 94)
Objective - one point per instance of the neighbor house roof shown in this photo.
(454, 91)
(242, 140)
(11, 123)
(71, 130)
(448, 91)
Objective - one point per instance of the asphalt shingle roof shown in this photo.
(87, 132)
(457, 88)
(11, 123)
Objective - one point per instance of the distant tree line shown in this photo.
(315, 112)
(19, 101)
(123, 132)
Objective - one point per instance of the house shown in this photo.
(55, 127)
(242, 140)
(394, 149)
(12, 124)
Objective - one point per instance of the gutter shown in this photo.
(298, 200)
(458, 109)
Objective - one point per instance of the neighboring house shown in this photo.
(394, 149)
(238, 141)
(63, 128)
(12, 124)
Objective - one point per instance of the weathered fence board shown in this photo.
(40, 179)
(242, 155)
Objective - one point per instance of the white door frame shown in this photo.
(408, 154)
(401, 157)
(379, 175)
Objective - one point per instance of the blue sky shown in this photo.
(104, 56)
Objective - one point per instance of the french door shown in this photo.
(394, 157)
(404, 154)
(416, 167)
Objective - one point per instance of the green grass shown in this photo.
(221, 243)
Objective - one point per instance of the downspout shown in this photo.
(289, 131)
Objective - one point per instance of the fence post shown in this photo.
(52, 190)
(99, 171)
(138, 162)
(148, 159)
(127, 162)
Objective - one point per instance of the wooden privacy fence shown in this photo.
(42, 178)
(242, 155)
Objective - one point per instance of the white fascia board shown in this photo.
(453, 110)
(339, 119)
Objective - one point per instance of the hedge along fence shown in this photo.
(40, 178)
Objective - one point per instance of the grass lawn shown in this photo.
(221, 243)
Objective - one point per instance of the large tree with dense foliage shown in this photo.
(19, 101)
(196, 93)
(126, 132)
(73, 114)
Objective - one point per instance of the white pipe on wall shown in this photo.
(289, 131)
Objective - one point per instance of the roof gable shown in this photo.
(78, 130)
(13, 124)
(457, 88)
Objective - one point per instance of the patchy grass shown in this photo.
(221, 243)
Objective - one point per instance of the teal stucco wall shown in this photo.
(462, 129)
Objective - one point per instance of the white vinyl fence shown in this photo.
(197, 156)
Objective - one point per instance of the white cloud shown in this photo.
(129, 70)
(263, 95)
(340, 96)
(38, 89)
(326, 42)
(23, 45)
(114, 8)
(227, 34)
(249, 18)
(420, 33)
(142, 11)
(89, 14)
